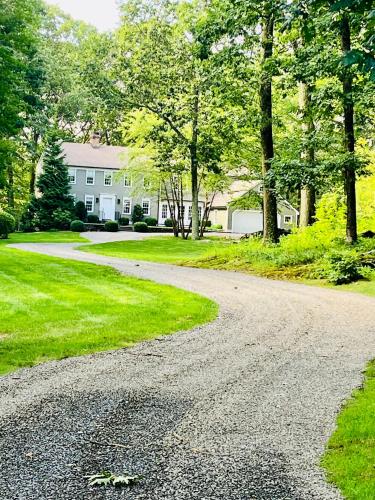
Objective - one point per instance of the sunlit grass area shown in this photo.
(53, 308)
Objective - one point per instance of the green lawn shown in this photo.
(53, 308)
(350, 458)
(165, 249)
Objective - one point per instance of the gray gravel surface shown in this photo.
(237, 409)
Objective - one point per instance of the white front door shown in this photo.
(107, 207)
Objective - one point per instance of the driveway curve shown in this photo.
(238, 409)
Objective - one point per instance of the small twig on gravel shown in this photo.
(145, 354)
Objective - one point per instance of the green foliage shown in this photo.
(92, 219)
(80, 210)
(168, 223)
(111, 226)
(342, 267)
(123, 221)
(137, 214)
(61, 219)
(140, 227)
(249, 201)
(150, 221)
(216, 226)
(106, 478)
(77, 226)
(7, 224)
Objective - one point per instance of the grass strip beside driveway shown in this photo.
(53, 308)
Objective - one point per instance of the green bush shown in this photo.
(137, 214)
(208, 223)
(151, 221)
(342, 267)
(92, 219)
(7, 224)
(80, 211)
(216, 226)
(140, 227)
(61, 219)
(123, 221)
(77, 226)
(111, 226)
(168, 223)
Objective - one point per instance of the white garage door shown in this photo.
(247, 221)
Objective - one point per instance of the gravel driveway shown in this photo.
(238, 409)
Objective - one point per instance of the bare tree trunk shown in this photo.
(349, 138)
(307, 205)
(194, 171)
(10, 185)
(34, 162)
(270, 232)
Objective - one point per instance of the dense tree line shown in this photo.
(281, 91)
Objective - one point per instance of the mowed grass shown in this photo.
(350, 457)
(53, 308)
(165, 249)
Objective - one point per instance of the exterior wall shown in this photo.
(220, 216)
(135, 193)
(287, 217)
(164, 212)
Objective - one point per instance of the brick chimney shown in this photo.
(95, 139)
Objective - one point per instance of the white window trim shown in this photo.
(108, 173)
(75, 175)
(92, 198)
(149, 205)
(162, 208)
(129, 178)
(130, 205)
(93, 177)
(291, 219)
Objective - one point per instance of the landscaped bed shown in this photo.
(53, 308)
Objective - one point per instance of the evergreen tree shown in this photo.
(52, 206)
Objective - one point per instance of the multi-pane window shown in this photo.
(108, 178)
(146, 207)
(90, 177)
(288, 219)
(126, 206)
(182, 212)
(164, 211)
(200, 212)
(127, 181)
(190, 211)
(89, 203)
(72, 175)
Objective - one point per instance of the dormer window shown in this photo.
(90, 177)
(108, 178)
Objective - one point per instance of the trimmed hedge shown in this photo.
(92, 219)
(151, 221)
(7, 224)
(140, 227)
(111, 226)
(77, 226)
(123, 221)
(168, 223)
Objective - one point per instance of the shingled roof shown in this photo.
(102, 156)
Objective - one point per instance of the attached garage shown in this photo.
(247, 221)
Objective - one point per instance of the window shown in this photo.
(182, 212)
(200, 212)
(72, 175)
(288, 219)
(127, 181)
(90, 177)
(261, 189)
(89, 203)
(164, 211)
(108, 178)
(146, 207)
(190, 211)
(126, 206)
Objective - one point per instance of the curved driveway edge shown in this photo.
(237, 409)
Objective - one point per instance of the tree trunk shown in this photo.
(349, 138)
(10, 186)
(194, 171)
(34, 162)
(307, 205)
(270, 232)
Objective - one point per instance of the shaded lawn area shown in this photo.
(350, 457)
(165, 249)
(53, 308)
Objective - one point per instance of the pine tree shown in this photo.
(53, 206)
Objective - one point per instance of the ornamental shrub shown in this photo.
(217, 226)
(77, 226)
(343, 267)
(168, 223)
(7, 224)
(140, 227)
(151, 221)
(137, 214)
(92, 219)
(61, 219)
(111, 226)
(124, 221)
(80, 211)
